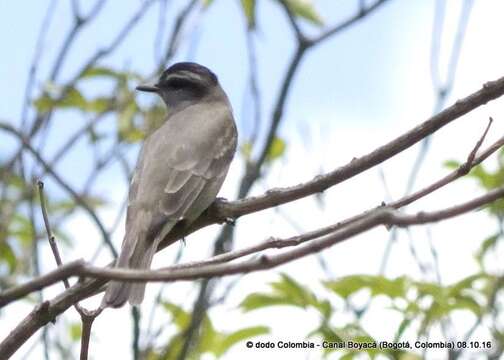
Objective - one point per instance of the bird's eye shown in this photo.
(178, 83)
(185, 84)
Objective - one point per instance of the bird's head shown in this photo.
(186, 83)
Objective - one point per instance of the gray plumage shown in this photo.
(180, 169)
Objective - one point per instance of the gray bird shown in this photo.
(180, 169)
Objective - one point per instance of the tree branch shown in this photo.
(380, 216)
(78, 199)
(342, 26)
(222, 210)
(273, 243)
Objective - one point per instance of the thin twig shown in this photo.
(294, 25)
(347, 23)
(273, 243)
(472, 155)
(50, 236)
(87, 317)
(37, 56)
(176, 33)
(380, 216)
(442, 89)
(253, 168)
(78, 199)
(98, 55)
(43, 314)
(14, 293)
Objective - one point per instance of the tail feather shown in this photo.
(137, 290)
(136, 253)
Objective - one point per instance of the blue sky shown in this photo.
(354, 76)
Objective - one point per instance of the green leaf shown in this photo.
(451, 164)
(466, 302)
(21, 228)
(286, 291)
(207, 3)
(15, 181)
(246, 150)
(99, 71)
(445, 299)
(171, 350)
(248, 7)
(430, 289)
(71, 98)
(180, 317)
(8, 256)
(209, 337)
(127, 130)
(294, 291)
(305, 10)
(133, 135)
(235, 337)
(75, 330)
(44, 103)
(378, 285)
(405, 323)
(328, 334)
(256, 301)
(465, 284)
(99, 105)
(487, 244)
(276, 149)
(102, 71)
(351, 332)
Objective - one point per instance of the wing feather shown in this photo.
(183, 160)
(180, 170)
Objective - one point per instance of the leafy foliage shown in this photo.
(487, 179)
(286, 291)
(378, 285)
(305, 10)
(210, 341)
(276, 149)
(71, 98)
(423, 304)
(249, 9)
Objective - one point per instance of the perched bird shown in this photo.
(179, 171)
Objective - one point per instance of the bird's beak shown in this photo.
(148, 88)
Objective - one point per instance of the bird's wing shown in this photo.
(192, 148)
(179, 169)
(179, 172)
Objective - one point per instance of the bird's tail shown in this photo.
(136, 253)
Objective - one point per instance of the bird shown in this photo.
(180, 168)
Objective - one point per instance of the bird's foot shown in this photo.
(230, 221)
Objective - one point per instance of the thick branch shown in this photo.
(220, 210)
(380, 216)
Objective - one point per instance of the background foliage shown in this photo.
(92, 89)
